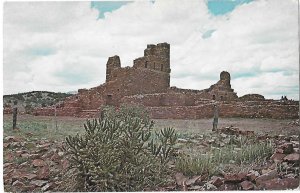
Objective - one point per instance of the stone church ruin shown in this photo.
(147, 83)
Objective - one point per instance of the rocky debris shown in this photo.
(252, 175)
(235, 177)
(38, 163)
(30, 176)
(39, 182)
(285, 148)
(216, 181)
(180, 178)
(295, 122)
(277, 157)
(270, 175)
(280, 184)
(43, 173)
(10, 139)
(234, 131)
(293, 158)
(247, 185)
(192, 180)
(28, 165)
(47, 187)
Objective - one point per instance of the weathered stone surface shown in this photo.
(270, 175)
(228, 186)
(47, 187)
(287, 148)
(216, 181)
(229, 177)
(6, 145)
(247, 185)
(25, 155)
(277, 157)
(280, 184)
(28, 188)
(39, 182)
(252, 175)
(65, 164)
(12, 139)
(17, 183)
(209, 186)
(192, 180)
(30, 176)
(294, 157)
(43, 173)
(180, 178)
(38, 163)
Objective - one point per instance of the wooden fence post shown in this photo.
(15, 113)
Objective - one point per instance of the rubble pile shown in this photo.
(32, 165)
(234, 131)
(279, 172)
(39, 164)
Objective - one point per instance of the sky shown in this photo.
(64, 46)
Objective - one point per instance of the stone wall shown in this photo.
(252, 97)
(161, 99)
(156, 57)
(227, 110)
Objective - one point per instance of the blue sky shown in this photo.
(215, 7)
(64, 46)
(221, 7)
(107, 6)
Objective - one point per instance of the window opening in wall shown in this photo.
(214, 97)
(109, 99)
(146, 64)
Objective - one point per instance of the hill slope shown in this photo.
(28, 100)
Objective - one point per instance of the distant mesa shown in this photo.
(147, 83)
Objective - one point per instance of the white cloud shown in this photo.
(49, 44)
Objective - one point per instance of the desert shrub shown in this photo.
(195, 165)
(28, 108)
(118, 153)
(209, 163)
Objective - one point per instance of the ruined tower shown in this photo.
(156, 57)
(112, 63)
(222, 89)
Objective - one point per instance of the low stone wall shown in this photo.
(161, 99)
(226, 110)
(181, 112)
(50, 111)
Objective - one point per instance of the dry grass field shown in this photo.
(45, 127)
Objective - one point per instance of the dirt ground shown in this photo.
(70, 125)
(270, 126)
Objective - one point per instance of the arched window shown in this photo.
(214, 97)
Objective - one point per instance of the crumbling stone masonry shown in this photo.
(147, 83)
